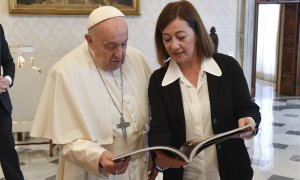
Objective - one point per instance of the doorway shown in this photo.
(268, 36)
(288, 69)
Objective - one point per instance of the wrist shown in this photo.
(102, 171)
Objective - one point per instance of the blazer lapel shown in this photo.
(174, 89)
(213, 89)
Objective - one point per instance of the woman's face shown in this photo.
(179, 40)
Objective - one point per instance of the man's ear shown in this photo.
(89, 40)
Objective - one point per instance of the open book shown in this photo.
(192, 147)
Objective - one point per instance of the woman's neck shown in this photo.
(191, 70)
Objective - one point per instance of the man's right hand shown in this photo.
(105, 162)
(4, 84)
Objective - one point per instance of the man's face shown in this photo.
(109, 42)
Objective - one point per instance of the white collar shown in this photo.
(209, 65)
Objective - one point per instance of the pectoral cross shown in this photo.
(123, 125)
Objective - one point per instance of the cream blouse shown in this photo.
(196, 105)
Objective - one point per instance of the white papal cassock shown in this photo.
(78, 114)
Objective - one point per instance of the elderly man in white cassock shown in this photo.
(94, 104)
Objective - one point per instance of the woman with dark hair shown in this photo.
(197, 93)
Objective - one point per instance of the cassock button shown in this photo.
(215, 121)
(219, 147)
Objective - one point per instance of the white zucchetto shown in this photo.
(103, 13)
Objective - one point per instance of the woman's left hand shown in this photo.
(247, 121)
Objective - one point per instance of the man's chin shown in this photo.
(115, 67)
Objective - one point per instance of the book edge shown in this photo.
(213, 137)
(147, 149)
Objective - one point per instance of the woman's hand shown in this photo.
(164, 161)
(247, 121)
(152, 171)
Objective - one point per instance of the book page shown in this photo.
(199, 145)
(139, 152)
(189, 149)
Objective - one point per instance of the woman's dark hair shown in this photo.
(185, 11)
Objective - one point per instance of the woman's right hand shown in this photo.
(164, 161)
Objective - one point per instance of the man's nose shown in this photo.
(118, 52)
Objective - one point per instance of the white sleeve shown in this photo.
(85, 154)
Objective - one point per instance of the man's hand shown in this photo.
(105, 162)
(4, 84)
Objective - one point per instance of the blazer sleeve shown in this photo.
(244, 104)
(236, 93)
(7, 62)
